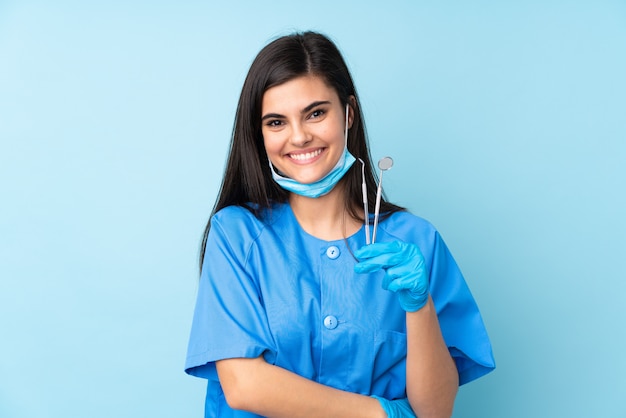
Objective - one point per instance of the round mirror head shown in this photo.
(385, 163)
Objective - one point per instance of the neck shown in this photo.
(324, 217)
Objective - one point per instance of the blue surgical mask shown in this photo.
(325, 184)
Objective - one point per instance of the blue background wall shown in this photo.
(506, 121)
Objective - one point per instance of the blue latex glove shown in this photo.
(398, 408)
(405, 270)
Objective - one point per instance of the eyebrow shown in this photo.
(305, 110)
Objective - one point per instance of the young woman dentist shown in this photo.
(297, 316)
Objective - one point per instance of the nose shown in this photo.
(300, 136)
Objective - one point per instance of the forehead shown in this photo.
(298, 93)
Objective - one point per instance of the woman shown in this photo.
(296, 315)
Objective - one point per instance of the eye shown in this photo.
(273, 123)
(317, 113)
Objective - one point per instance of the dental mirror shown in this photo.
(384, 164)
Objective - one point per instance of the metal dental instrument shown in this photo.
(365, 205)
(384, 164)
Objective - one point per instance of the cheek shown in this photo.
(333, 135)
(271, 144)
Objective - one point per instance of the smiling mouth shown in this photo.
(305, 156)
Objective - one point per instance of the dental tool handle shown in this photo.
(366, 213)
(379, 192)
(367, 228)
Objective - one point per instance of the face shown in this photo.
(303, 124)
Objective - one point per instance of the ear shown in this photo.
(351, 110)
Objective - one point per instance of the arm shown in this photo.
(432, 377)
(253, 385)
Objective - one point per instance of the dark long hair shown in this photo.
(247, 180)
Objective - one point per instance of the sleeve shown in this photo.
(229, 320)
(460, 320)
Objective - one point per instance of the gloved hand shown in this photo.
(405, 270)
(398, 408)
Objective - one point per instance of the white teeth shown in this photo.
(306, 156)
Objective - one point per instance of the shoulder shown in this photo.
(406, 226)
(237, 231)
(233, 214)
(236, 220)
(243, 222)
(233, 231)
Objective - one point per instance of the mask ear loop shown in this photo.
(363, 185)
(345, 131)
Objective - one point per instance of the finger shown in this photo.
(371, 250)
(381, 261)
(368, 266)
(397, 283)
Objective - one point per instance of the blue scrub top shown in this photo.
(269, 288)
